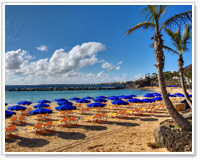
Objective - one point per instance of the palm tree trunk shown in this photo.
(181, 73)
(158, 49)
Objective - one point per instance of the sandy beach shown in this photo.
(129, 134)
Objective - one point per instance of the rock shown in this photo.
(173, 139)
(187, 115)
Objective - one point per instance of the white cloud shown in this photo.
(108, 66)
(61, 62)
(42, 48)
(16, 59)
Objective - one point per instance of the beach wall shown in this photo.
(65, 88)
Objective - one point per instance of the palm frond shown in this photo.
(144, 25)
(177, 19)
(170, 50)
(147, 12)
(162, 10)
(186, 36)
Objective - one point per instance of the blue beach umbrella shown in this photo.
(120, 102)
(6, 104)
(88, 97)
(156, 94)
(40, 111)
(171, 95)
(24, 103)
(179, 95)
(190, 95)
(113, 98)
(17, 108)
(127, 97)
(135, 100)
(64, 102)
(122, 96)
(99, 100)
(83, 101)
(101, 97)
(9, 113)
(65, 107)
(148, 100)
(40, 105)
(44, 101)
(149, 95)
(132, 95)
(60, 99)
(74, 98)
(96, 105)
(157, 98)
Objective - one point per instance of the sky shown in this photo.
(78, 44)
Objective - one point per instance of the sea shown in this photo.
(12, 97)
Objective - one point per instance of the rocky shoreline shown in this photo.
(65, 88)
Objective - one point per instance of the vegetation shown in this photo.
(153, 15)
(180, 43)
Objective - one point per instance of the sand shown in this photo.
(115, 135)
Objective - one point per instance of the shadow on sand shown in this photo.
(70, 135)
(32, 142)
(149, 119)
(128, 124)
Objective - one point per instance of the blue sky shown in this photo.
(81, 44)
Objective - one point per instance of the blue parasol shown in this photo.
(24, 103)
(99, 100)
(65, 107)
(40, 105)
(88, 97)
(179, 95)
(135, 100)
(120, 102)
(113, 98)
(83, 101)
(149, 95)
(64, 102)
(40, 111)
(148, 100)
(60, 99)
(44, 101)
(9, 113)
(96, 105)
(74, 98)
(101, 97)
(157, 98)
(17, 108)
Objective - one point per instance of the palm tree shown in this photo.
(180, 42)
(153, 15)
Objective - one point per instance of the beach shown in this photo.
(128, 134)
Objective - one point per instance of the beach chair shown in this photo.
(28, 110)
(13, 120)
(73, 121)
(38, 128)
(10, 130)
(63, 122)
(92, 119)
(49, 126)
(62, 114)
(39, 117)
(114, 115)
(47, 116)
(23, 112)
(22, 119)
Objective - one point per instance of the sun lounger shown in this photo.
(93, 119)
(22, 119)
(38, 128)
(13, 120)
(10, 130)
(49, 126)
(62, 123)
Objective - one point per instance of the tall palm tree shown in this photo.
(180, 42)
(153, 15)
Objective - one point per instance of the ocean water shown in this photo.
(34, 96)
